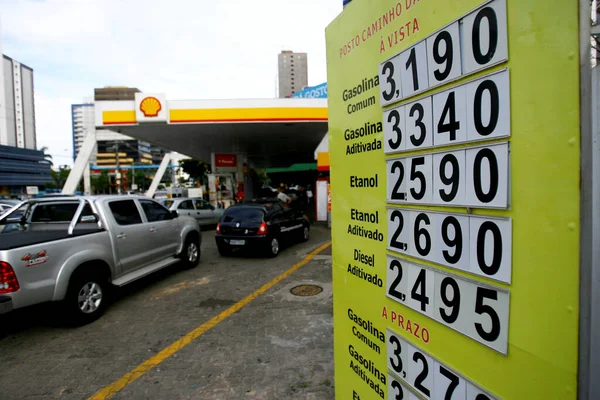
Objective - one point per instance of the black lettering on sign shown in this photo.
(364, 181)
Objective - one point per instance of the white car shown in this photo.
(198, 208)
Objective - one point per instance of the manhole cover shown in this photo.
(306, 290)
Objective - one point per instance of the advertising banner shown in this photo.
(313, 92)
(455, 165)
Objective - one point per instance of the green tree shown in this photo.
(59, 177)
(196, 169)
(100, 184)
(47, 156)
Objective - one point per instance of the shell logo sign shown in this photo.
(150, 106)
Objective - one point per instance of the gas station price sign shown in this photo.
(455, 183)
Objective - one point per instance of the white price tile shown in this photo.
(488, 107)
(396, 180)
(453, 244)
(449, 178)
(414, 69)
(419, 128)
(443, 55)
(484, 37)
(420, 374)
(396, 280)
(420, 179)
(420, 289)
(491, 248)
(424, 237)
(450, 116)
(394, 130)
(399, 235)
(487, 182)
(390, 82)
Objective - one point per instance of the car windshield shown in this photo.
(238, 214)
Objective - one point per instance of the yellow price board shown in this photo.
(455, 165)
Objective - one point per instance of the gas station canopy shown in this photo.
(269, 132)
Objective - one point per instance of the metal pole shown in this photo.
(118, 173)
(589, 292)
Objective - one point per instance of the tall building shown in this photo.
(21, 164)
(83, 121)
(293, 72)
(130, 150)
(108, 93)
(17, 118)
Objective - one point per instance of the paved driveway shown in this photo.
(214, 332)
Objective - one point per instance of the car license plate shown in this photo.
(237, 242)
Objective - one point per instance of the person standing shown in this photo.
(283, 197)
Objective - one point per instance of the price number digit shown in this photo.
(453, 245)
(419, 124)
(449, 178)
(394, 125)
(396, 286)
(397, 232)
(414, 74)
(396, 180)
(443, 55)
(491, 248)
(447, 384)
(485, 37)
(450, 116)
(397, 390)
(488, 107)
(488, 177)
(396, 354)
(390, 80)
(420, 375)
(419, 185)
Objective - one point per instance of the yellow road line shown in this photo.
(152, 362)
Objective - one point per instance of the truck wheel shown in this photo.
(273, 247)
(86, 298)
(190, 255)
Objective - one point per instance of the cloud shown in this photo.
(199, 49)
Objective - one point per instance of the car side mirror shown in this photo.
(93, 219)
(212, 207)
(174, 214)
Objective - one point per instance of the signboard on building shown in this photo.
(224, 162)
(32, 190)
(455, 224)
(313, 92)
(151, 107)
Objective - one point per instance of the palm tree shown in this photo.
(47, 156)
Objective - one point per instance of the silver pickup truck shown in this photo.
(73, 250)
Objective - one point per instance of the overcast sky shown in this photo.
(198, 49)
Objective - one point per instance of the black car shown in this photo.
(262, 226)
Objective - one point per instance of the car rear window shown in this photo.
(234, 214)
(54, 212)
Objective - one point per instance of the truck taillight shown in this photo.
(219, 227)
(8, 279)
(263, 229)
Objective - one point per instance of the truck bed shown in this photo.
(14, 240)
